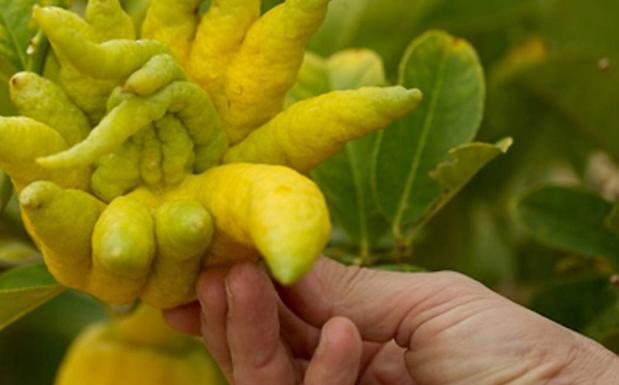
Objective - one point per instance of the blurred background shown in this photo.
(552, 75)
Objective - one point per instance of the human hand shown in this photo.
(345, 325)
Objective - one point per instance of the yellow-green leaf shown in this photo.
(466, 161)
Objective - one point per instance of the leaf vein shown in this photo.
(412, 175)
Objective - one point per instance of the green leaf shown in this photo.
(23, 289)
(575, 303)
(448, 72)
(6, 190)
(570, 219)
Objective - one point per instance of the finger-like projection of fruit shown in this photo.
(136, 350)
(191, 159)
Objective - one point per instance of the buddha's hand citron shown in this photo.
(146, 160)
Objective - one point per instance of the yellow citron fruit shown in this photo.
(138, 350)
(152, 159)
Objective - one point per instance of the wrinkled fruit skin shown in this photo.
(108, 354)
(145, 161)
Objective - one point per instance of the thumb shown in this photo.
(383, 305)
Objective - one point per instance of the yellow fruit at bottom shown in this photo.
(141, 350)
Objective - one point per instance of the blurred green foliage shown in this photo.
(536, 224)
(43, 337)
